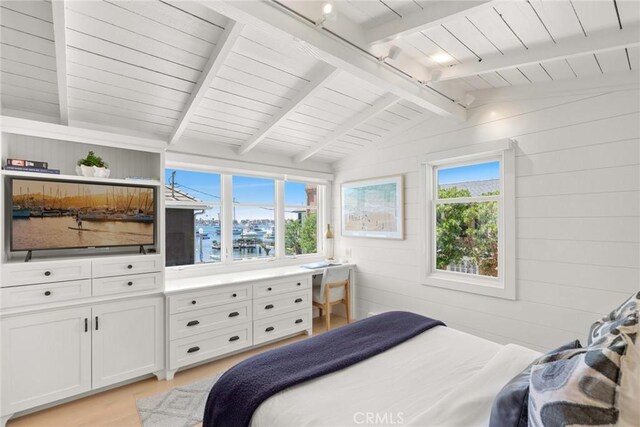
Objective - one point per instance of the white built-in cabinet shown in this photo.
(57, 354)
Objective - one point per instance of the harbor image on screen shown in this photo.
(59, 214)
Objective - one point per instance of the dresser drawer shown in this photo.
(127, 284)
(208, 319)
(200, 347)
(271, 306)
(44, 272)
(279, 326)
(210, 298)
(45, 293)
(268, 288)
(121, 265)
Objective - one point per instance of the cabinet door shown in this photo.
(127, 340)
(45, 357)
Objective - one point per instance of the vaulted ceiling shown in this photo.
(281, 77)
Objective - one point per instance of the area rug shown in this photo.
(179, 407)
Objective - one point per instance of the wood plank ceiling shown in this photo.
(137, 65)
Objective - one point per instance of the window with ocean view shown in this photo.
(196, 204)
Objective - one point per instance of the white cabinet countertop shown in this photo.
(199, 282)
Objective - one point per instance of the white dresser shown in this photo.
(212, 317)
(73, 326)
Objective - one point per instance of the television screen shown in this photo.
(49, 214)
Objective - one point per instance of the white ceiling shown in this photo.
(185, 71)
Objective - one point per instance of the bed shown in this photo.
(441, 376)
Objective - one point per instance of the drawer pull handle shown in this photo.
(268, 306)
(193, 323)
(298, 300)
(298, 284)
(269, 289)
(47, 293)
(234, 295)
(129, 266)
(193, 349)
(234, 338)
(96, 323)
(269, 329)
(234, 314)
(193, 302)
(86, 324)
(129, 283)
(47, 273)
(299, 321)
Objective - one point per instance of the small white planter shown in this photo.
(101, 172)
(94, 171)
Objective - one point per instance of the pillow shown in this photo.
(510, 407)
(596, 385)
(611, 321)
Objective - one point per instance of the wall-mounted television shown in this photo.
(59, 214)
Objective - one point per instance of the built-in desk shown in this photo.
(210, 317)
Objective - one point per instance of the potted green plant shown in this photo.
(93, 165)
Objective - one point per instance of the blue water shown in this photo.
(210, 254)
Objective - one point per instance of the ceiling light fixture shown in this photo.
(441, 57)
(328, 12)
(327, 8)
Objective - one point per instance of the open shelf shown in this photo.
(53, 177)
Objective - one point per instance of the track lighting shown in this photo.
(394, 53)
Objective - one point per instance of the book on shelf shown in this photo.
(27, 163)
(32, 169)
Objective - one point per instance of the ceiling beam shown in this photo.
(381, 104)
(270, 17)
(320, 79)
(220, 52)
(434, 14)
(60, 46)
(602, 41)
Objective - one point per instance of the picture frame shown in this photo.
(373, 208)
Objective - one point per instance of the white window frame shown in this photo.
(227, 262)
(504, 285)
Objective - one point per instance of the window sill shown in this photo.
(475, 285)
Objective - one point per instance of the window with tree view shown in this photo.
(301, 218)
(466, 207)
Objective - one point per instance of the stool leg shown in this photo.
(347, 298)
(327, 308)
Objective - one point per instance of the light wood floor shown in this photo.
(117, 407)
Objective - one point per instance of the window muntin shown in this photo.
(466, 219)
(301, 218)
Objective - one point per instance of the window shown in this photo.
(469, 233)
(223, 218)
(301, 218)
(254, 202)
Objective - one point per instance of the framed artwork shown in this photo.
(373, 208)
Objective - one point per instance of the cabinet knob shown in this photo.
(269, 329)
(269, 289)
(299, 321)
(193, 302)
(47, 293)
(268, 306)
(193, 349)
(298, 300)
(129, 266)
(47, 273)
(193, 323)
(298, 284)
(234, 338)
(234, 295)
(129, 283)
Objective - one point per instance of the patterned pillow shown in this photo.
(603, 326)
(596, 385)
(510, 407)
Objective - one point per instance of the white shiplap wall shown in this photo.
(578, 218)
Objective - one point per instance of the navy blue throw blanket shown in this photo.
(238, 393)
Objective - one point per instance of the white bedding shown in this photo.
(420, 382)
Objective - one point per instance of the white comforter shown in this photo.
(442, 377)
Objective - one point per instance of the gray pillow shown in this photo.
(510, 407)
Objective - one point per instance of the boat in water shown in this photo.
(18, 212)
